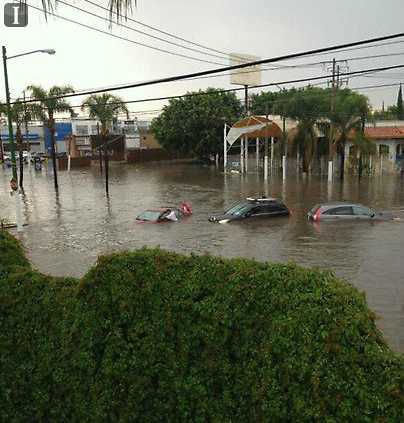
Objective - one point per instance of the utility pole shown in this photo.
(266, 145)
(99, 150)
(360, 164)
(331, 133)
(247, 112)
(106, 167)
(52, 130)
(27, 131)
(285, 147)
(9, 121)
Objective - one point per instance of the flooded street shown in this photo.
(67, 231)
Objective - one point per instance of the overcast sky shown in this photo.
(264, 28)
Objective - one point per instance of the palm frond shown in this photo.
(120, 9)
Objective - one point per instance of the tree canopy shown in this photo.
(104, 107)
(194, 124)
(48, 103)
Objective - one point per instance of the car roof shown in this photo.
(262, 200)
(157, 210)
(341, 203)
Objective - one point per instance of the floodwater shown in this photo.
(67, 231)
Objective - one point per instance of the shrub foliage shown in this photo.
(156, 336)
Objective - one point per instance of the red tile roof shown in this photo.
(385, 132)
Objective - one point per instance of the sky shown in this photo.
(264, 28)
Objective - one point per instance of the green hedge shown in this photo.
(155, 336)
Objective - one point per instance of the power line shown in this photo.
(163, 32)
(123, 38)
(219, 91)
(297, 66)
(222, 91)
(138, 31)
(155, 111)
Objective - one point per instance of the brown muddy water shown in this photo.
(67, 231)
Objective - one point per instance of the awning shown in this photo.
(253, 127)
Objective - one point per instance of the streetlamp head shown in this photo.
(49, 51)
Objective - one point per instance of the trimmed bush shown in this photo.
(156, 336)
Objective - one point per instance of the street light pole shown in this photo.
(10, 123)
(14, 180)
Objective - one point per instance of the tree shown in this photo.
(389, 114)
(307, 106)
(400, 109)
(350, 109)
(194, 124)
(48, 105)
(20, 113)
(104, 107)
(264, 102)
(119, 8)
(362, 147)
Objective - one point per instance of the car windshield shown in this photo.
(149, 215)
(239, 209)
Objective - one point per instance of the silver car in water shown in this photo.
(342, 210)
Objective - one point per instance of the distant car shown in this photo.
(252, 208)
(346, 211)
(158, 215)
(165, 214)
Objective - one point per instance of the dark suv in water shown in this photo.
(346, 211)
(252, 208)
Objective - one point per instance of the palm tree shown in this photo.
(350, 109)
(105, 108)
(119, 8)
(363, 147)
(306, 106)
(45, 109)
(20, 113)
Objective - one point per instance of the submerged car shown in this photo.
(346, 211)
(252, 208)
(165, 214)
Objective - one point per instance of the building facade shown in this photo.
(79, 144)
(388, 137)
(33, 139)
(62, 135)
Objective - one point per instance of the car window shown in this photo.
(339, 211)
(235, 208)
(268, 208)
(149, 216)
(239, 209)
(361, 211)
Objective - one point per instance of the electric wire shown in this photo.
(139, 31)
(92, 28)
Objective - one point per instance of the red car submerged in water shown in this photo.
(165, 214)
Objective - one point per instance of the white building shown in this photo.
(389, 139)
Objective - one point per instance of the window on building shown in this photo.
(384, 149)
(81, 130)
(94, 129)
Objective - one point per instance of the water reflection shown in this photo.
(68, 229)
